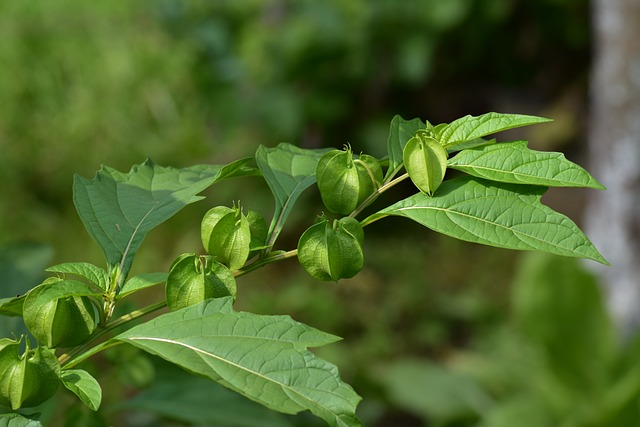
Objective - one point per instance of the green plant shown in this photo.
(492, 197)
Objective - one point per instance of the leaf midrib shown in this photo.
(229, 362)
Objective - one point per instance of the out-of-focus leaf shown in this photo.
(432, 391)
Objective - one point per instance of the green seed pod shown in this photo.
(193, 279)
(259, 232)
(26, 380)
(64, 321)
(425, 160)
(330, 252)
(226, 235)
(345, 182)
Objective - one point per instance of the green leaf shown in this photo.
(400, 131)
(142, 281)
(502, 215)
(288, 171)
(432, 391)
(63, 289)
(14, 419)
(178, 395)
(265, 358)
(470, 127)
(514, 162)
(474, 143)
(83, 385)
(12, 307)
(119, 209)
(92, 273)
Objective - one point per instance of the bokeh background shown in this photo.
(436, 332)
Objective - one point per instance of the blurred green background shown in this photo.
(437, 332)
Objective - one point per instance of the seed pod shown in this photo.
(226, 235)
(64, 321)
(193, 279)
(259, 232)
(425, 160)
(345, 182)
(26, 380)
(330, 252)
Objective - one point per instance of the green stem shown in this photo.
(264, 261)
(384, 187)
(84, 351)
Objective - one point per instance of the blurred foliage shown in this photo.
(90, 83)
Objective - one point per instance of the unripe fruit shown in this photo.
(226, 236)
(330, 252)
(345, 182)
(259, 232)
(193, 279)
(26, 380)
(425, 160)
(66, 321)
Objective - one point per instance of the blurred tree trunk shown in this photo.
(613, 216)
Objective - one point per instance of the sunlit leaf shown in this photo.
(496, 214)
(265, 358)
(14, 419)
(472, 127)
(119, 209)
(514, 162)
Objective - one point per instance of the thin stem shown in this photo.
(264, 261)
(384, 187)
(71, 357)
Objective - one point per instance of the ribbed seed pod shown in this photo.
(29, 379)
(345, 182)
(332, 251)
(425, 160)
(226, 235)
(193, 279)
(61, 322)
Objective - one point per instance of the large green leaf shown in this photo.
(119, 209)
(400, 131)
(142, 281)
(514, 162)
(289, 171)
(472, 127)
(496, 214)
(265, 358)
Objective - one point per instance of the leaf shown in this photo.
(473, 143)
(12, 307)
(83, 385)
(514, 162)
(288, 171)
(62, 289)
(495, 214)
(142, 281)
(14, 419)
(470, 127)
(265, 358)
(432, 391)
(92, 273)
(119, 209)
(400, 131)
(178, 395)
